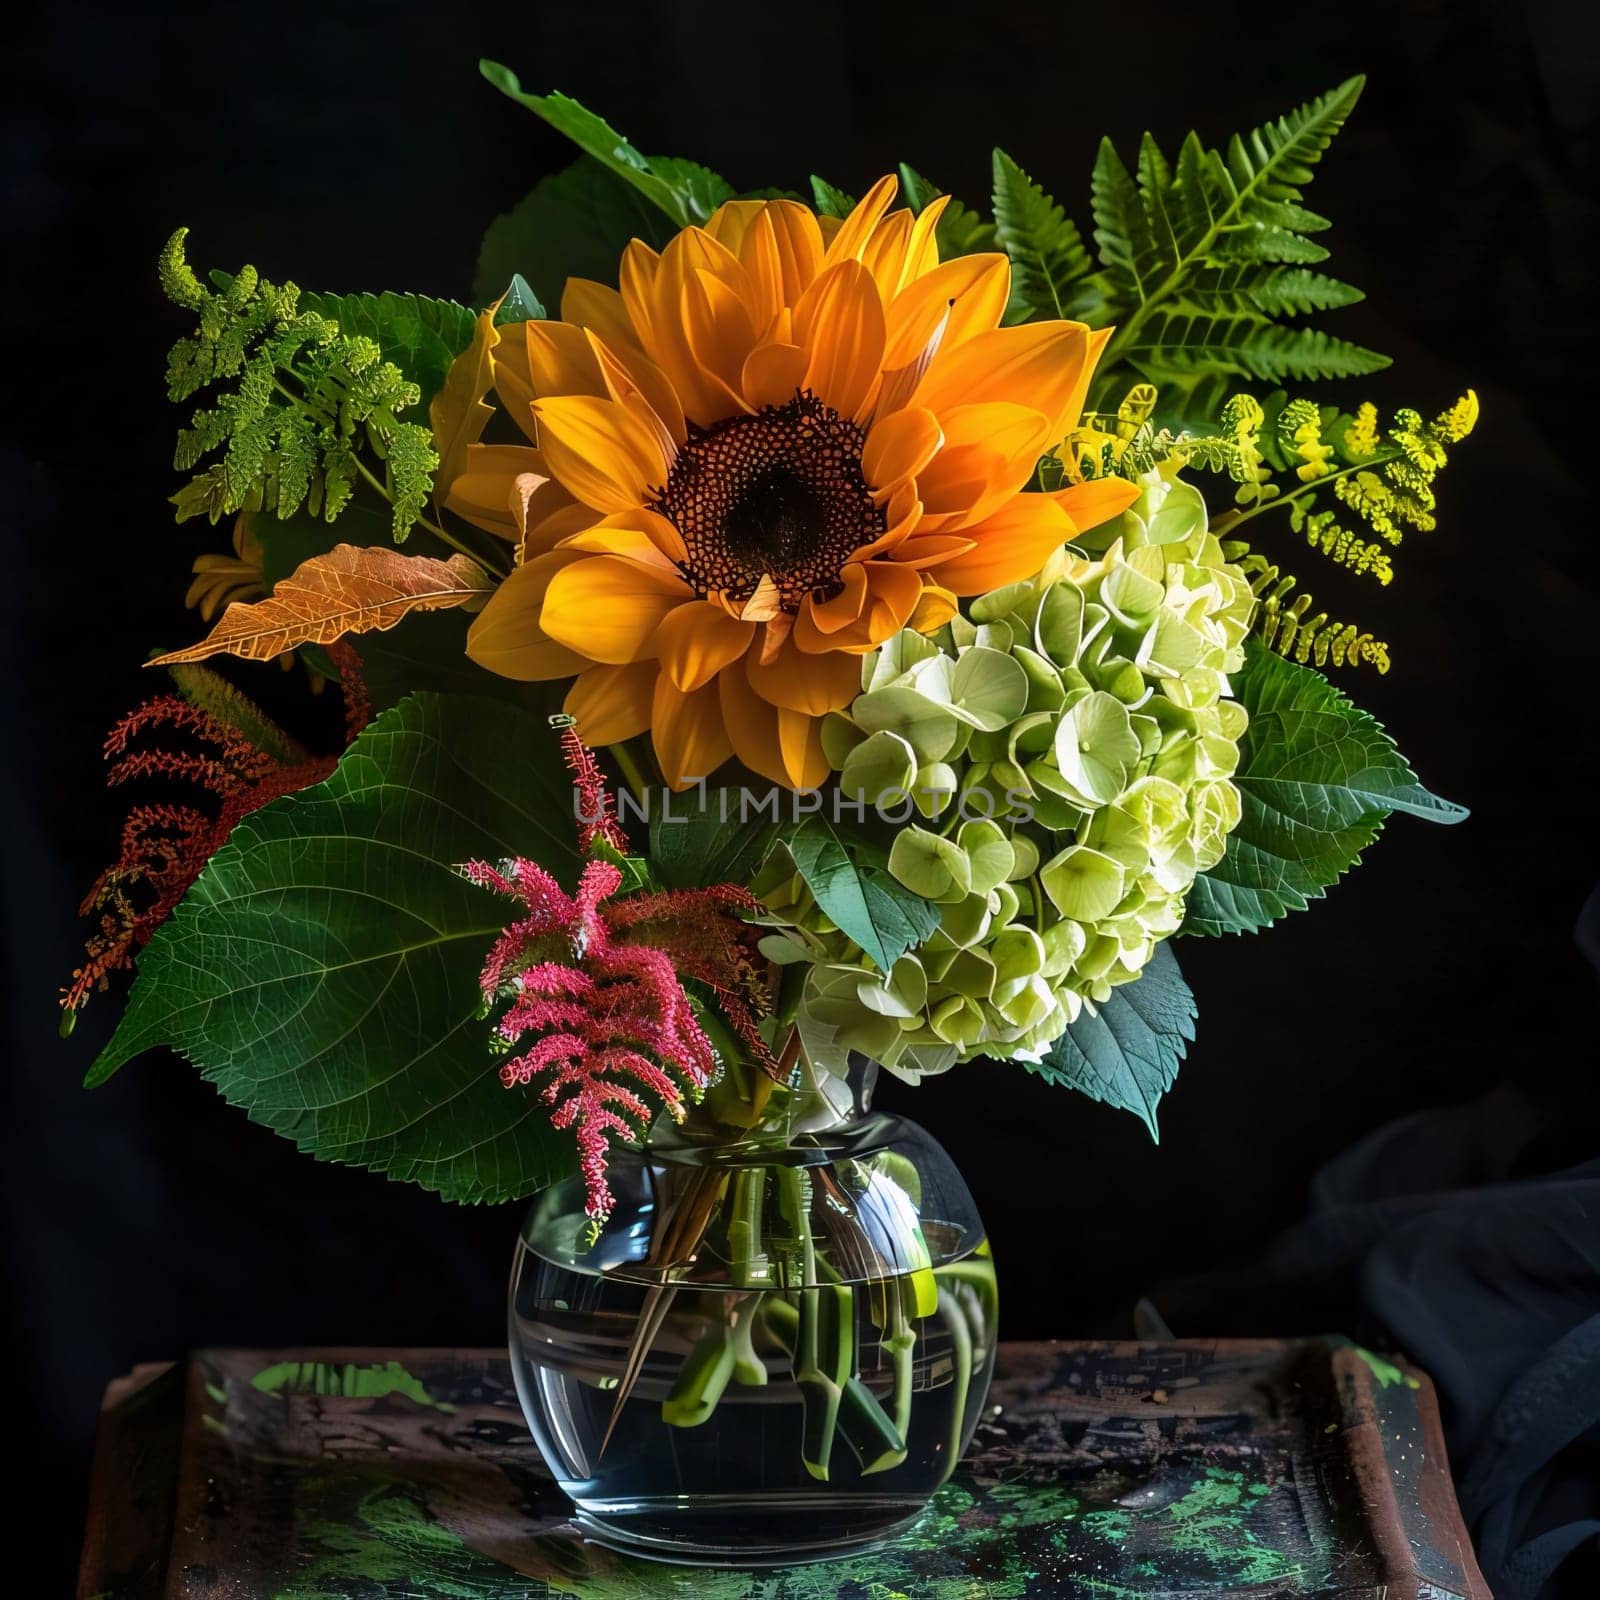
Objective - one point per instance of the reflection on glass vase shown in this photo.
(777, 1345)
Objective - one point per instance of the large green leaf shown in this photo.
(421, 336)
(695, 845)
(1318, 777)
(844, 874)
(573, 224)
(684, 191)
(322, 972)
(1126, 1051)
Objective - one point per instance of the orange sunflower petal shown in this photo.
(1099, 500)
(493, 486)
(763, 265)
(643, 536)
(898, 448)
(892, 595)
(800, 740)
(990, 451)
(690, 739)
(1045, 365)
(632, 379)
(731, 222)
(549, 525)
(840, 323)
(819, 620)
(972, 289)
(561, 360)
(935, 608)
(611, 704)
(508, 637)
(601, 309)
(857, 229)
(697, 640)
(609, 607)
(718, 327)
(814, 684)
(773, 374)
(752, 725)
(884, 254)
(922, 249)
(604, 455)
(799, 239)
(1008, 547)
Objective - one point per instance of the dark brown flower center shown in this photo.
(778, 494)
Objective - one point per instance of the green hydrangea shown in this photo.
(1059, 762)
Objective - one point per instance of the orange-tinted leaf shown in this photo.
(352, 589)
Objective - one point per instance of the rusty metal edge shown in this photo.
(1362, 1437)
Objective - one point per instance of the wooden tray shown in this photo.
(1124, 1471)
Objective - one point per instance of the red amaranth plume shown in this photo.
(165, 846)
(705, 932)
(598, 1012)
(597, 817)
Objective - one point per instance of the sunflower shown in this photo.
(781, 441)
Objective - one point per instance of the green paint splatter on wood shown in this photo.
(348, 1382)
(1212, 1521)
(1386, 1372)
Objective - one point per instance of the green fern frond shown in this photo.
(829, 201)
(308, 398)
(1294, 629)
(1205, 258)
(1047, 252)
(961, 231)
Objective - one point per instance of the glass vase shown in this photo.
(777, 1345)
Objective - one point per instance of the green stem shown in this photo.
(1229, 520)
(978, 1274)
(427, 522)
(632, 771)
(701, 1380)
(875, 1440)
(748, 1263)
(298, 401)
(955, 1321)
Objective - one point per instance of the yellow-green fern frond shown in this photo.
(1300, 433)
(1361, 435)
(1328, 538)
(1288, 624)
(1455, 424)
(313, 392)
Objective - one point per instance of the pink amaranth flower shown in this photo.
(598, 1013)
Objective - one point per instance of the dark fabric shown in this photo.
(1440, 1236)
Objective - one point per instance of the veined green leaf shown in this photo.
(518, 304)
(421, 336)
(1182, 342)
(692, 846)
(573, 224)
(853, 889)
(1318, 778)
(686, 192)
(322, 971)
(1126, 1052)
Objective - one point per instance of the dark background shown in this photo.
(356, 147)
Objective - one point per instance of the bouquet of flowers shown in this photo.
(775, 630)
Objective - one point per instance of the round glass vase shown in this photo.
(778, 1344)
